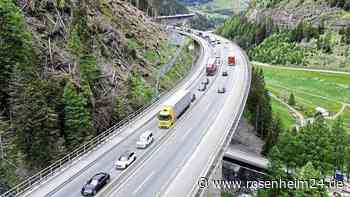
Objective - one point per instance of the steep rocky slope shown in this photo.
(91, 63)
(114, 27)
(289, 13)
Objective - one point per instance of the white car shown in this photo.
(145, 140)
(125, 160)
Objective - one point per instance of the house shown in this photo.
(322, 111)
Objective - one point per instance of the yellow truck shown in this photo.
(174, 108)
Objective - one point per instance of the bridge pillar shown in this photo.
(213, 191)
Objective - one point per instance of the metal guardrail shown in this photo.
(54, 168)
(49, 171)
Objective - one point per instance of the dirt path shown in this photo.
(344, 105)
(297, 113)
(340, 112)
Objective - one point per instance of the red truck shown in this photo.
(231, 59)
(211, 67)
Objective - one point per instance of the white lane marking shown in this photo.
(143, 183)
(186, 134)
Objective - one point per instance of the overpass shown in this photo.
(174, 19)
(246, 158)
(173, 164)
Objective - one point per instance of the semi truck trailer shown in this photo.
(174, 108)
(231, 59)
(211, 67)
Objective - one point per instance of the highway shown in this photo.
(70, 180)
(208, 150)
(157, 167)
(157, 171)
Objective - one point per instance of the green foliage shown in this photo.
(345, 35)
(313, 152)
(304, 30)
(179, 69)
(120, 110)
(74, 43)
(314, 143)
(324, 43)
(34, 118)
(340, 141)
(139, 92)
(291, 100)
(167, 8)
(259, 111)
(61, 4)
(273, 133)
(309, 173)
(132, 44)
(266, 3)
(15, 48)
(245, 33)
(277, 49)
(226, 194)
(203, 22)
(88, 68)
(151, 56)
(77, 117)
(345, 4)
(34, 122)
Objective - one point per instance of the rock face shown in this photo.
(246, 138)
(289, 14)
(116, 26)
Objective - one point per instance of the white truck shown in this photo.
(173, 108)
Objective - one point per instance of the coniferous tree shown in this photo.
(34, 122)
(120, 110)
(15, 47)
(291, 100)
(340, 140)
(310, 174)
(273, 134)
(258, 104)
(77, 117)
(33, 119)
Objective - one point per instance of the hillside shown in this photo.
(69, 70)
(289, 14)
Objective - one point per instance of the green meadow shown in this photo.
(311, 89)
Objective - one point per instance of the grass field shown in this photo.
(346, 118)
(311, 89)
(282, 112)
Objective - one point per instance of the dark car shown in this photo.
(202, 87)
(96, 183)
(205, 81)
(221, 90)
(193, 98)
(224, 73)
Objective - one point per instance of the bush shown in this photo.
(245, 33)
(278, 50)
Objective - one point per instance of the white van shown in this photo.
(145, 139)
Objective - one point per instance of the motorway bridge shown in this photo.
(178, 158)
